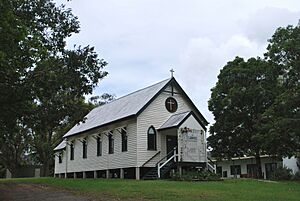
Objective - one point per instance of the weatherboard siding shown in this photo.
(93, 162)
(191, 122)
(156, 114)
(60, 167)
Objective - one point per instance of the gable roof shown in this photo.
(118, 109)
(177, 120)
(61, 146)
(127, 106)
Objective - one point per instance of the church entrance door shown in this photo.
(172, 141)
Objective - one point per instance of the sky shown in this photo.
(143, 39)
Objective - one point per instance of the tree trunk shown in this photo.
(45, 168)
(258, 164)
(13, 171)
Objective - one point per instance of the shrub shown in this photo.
(296, 176)
(196, 176)
(282, 173)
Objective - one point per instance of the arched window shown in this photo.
(84, 149)
(60, 157)
(124, 139)
(151, 138)
(72, 151)
(99, 146)
(110, 143)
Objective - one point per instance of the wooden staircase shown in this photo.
(211, 166)
(162, 167)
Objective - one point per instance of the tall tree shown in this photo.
(52, 78)
(244, 91)
(15, 94)
(14, 142)
(282, 120)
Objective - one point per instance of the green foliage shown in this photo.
(245, 89)
(42, 84)
(196, 176)
(256, 102)
(14, 144)
(282, 120)
(15, 95)
(296, 176)
(2, 171)
(282, 173)
(103, 99)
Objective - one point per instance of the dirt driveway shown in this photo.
(35, 192)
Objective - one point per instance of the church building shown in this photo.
(143, 135)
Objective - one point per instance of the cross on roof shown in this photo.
(172, 71)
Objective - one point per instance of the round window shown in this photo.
(171, 104)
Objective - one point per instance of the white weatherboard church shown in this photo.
(142, 135)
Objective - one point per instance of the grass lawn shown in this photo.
(231, 190)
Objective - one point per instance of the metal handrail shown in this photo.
(166, 156)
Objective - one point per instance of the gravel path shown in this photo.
(35, 192)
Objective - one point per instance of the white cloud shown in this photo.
(143, 39)
(203, 59)
(261, 24)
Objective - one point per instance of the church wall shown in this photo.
(60, 167)
(192, 123)
(93, 162)
(155, 114)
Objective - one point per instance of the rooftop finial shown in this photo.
(172, 71)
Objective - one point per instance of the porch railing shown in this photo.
(173, 156)
(211, 165)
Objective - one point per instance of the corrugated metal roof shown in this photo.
(61, 145)
(175, 120)
(118, 109)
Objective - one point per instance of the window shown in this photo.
(72, 151)
(110, 143)
(270, 168)
(151, 138)
(60, 158)
(124, 139)
(252, 170)
(99, 146)
(235, 169)
(84, 149)
(219, 171)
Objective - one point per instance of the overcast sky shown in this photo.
(143, 39)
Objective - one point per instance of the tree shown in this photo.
(14, 143)
(282, 120)
(102, 100)
(244, 91)
(15, 95)
(52, 78)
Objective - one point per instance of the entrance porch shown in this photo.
(183, 146)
